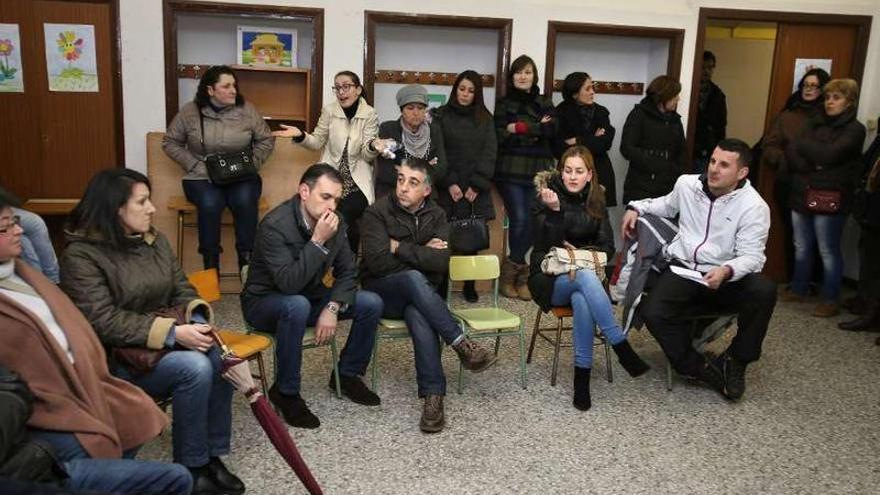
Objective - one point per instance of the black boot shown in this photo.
(630, 361)
(470, 292)
(582, 389)
(244, 259)
(868, 322)
(211, 261)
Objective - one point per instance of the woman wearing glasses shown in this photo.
(346, 131)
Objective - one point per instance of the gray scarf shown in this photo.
(416, 144)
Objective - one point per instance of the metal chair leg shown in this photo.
(668, 376)
(522, 352)
(608, 359)
(534, 336)
(334, 356)
(497, 341)
(264, 379)
(556, 346)
(180, 216)
(374, 375)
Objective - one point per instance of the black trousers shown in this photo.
(352, 209)
(673, 298)
(869, 263)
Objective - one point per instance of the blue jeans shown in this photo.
(410, 295)
(826, 231)
(591, 307)
(36, 245)
(242, 199)
(201, 399)
(518, 200)
(287, 316)
(117, 476)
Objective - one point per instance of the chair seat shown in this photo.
(392, 324)
(487, 318)
(244, 345)
(562, 311)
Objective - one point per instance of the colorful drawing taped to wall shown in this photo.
(803, 65)
(11, 75)
(266, 47)
(436, 100)
(71, 63)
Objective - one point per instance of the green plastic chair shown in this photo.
(484, 322)
(307, 343)
(388, 330)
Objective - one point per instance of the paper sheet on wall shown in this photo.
(11, 74)
(802, 65)
(71, 63)
(692, 275)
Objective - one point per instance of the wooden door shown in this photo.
(793, 41)
(59, 139)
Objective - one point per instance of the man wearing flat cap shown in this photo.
(417, 135)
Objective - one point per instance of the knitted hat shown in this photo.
(412, 93)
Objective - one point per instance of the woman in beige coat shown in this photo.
(346, 131)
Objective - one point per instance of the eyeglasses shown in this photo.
(9, 227)
(342, 88)
(811, 86)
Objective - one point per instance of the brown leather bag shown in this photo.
(141, 360)
(822, 201)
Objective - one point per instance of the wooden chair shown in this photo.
(562, 312)
(245, 346)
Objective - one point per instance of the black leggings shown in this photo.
(352, 208)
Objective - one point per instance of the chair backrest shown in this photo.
(206, 283)
(476, 267)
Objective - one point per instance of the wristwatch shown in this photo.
(333, 307)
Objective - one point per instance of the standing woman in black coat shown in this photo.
(469, 136)
(653, 142)
(570, 212)
(582, 121)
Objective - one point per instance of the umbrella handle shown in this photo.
(219, 341)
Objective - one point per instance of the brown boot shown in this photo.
(474, 357)
(508, 279)
(826, 309)
(522, 282)
(433, 418)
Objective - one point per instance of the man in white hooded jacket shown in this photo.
(723, 226)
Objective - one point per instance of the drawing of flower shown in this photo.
(69, 46)
(6, 48)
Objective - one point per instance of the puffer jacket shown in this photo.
(552, 228)
(386, 220)
(470, 153)
(827, 154)
(233, 128)
(118, 290)
(581, 122)
(654, 144)
(529, 150)
(386, 168)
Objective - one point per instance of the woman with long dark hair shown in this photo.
(219, 120)
(469, 137)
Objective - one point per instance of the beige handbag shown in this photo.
(561, 260)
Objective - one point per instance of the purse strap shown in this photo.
(572, 272)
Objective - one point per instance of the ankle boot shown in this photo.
(508, 279)
(211, 261)
(582, 399)
(868, 322)
(522, 282)
(630, 361)
(244, 259)
(470, 292)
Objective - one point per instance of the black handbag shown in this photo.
(229, 167)
(469, 234)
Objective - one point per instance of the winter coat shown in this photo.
(826, 154)
(470, 155)
(784, 128)
(711, 122)
(552, 228)
(386, 220)
(654, 144)
(334, 130)
(581, 122)
(119, 290)
(386, 173)
(108, 415)
(286, 261)
(867, 209)
(233, 128)
(529, 149)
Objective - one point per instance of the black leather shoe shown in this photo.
(295, 411)
(225, 479)
(353, 388)
(214, 479)
(868, 322)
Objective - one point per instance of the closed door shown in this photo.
(57, 140)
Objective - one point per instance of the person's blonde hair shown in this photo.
(849, 88)
(596, 197)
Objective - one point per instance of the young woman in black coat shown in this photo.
(582, 121)
(570, 212)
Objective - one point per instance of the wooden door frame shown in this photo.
(554, 28)
(171, 8)
(372, 18)
(861, 22)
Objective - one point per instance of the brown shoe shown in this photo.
(474, 357)
(793, 297)
(508, 279)
(522, 282)
(826, 310)
(433, 419)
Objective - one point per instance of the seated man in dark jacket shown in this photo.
(303, 273)
(406, 256)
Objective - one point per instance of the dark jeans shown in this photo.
(201, 399)
(352, 208)
(673, 298)
(117, 476)
(409, 295)
(287, 316)
(242, 199)
(518, 200)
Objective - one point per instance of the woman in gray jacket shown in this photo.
(218, 120)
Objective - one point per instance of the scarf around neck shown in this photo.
(418, 143)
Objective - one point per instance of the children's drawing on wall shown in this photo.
(70, 57)
(266, 47)
(11, 75)
(802, 65)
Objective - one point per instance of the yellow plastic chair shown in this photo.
(308, 341)
(388, 329)
(245, 346)
(484, 322)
